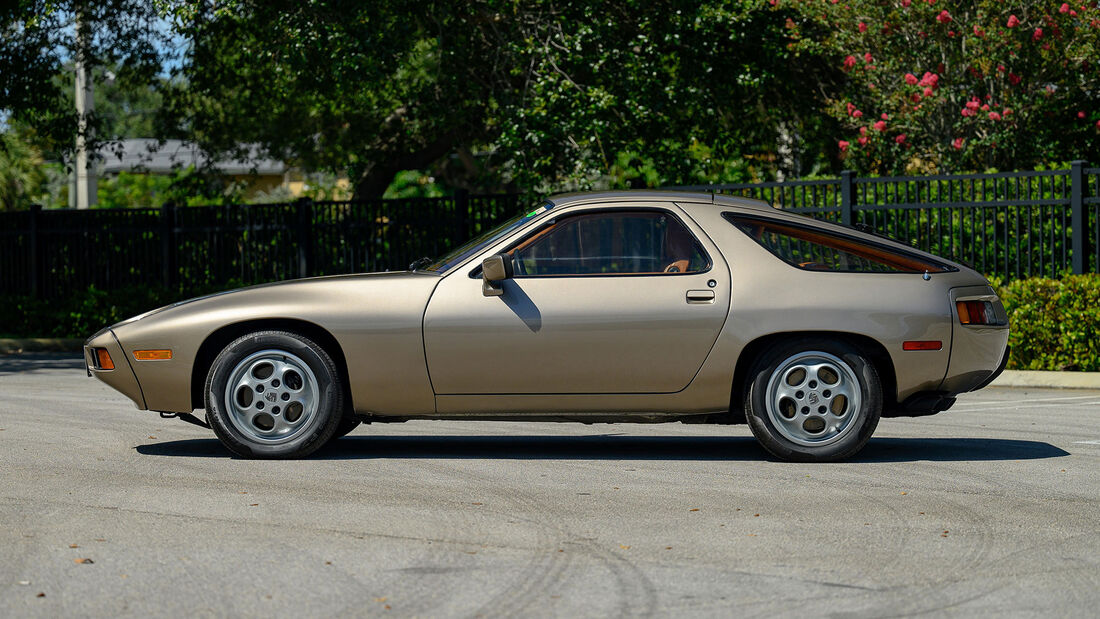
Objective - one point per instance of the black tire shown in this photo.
(347, 424)
(802, 424)
(313, 411)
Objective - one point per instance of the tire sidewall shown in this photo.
(768, 435)
(330, 395)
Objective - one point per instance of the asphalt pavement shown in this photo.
(989, 509)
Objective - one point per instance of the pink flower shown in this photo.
(885, 116)
(1006, 112)
(1038, 34)
(972, 104)
(1013, 21)
(868, 58)
(900, 139)
(849, 62)
(966, 111)
(1013, 79)
(928, 92)
(943, 17)
(1098, 124)
(957, 143)
(1064, 8)
(994, 116)
(880, 125)
(863, 141)
(978, 32)
(906, 3)
(1000, 68)
(985, 108)
(850, 107)
(911, 79)
(863, 130)
(915, 98)
(857, 114)
(929, 79)
(862, 27)
(843, 145)
(1080, 114)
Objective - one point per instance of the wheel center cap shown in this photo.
(270, 396)
(813, 398)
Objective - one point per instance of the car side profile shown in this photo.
(637, 306)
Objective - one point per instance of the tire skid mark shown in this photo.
(541, 575)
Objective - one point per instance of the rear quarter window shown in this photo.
(814, 249)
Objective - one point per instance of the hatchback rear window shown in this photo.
(814, 249)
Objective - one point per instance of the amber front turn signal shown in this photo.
(153, 355)
(103, 359)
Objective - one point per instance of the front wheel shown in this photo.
(813, 400)
(274, 394)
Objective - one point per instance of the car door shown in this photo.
(603, 300)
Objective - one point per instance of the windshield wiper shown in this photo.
(420, 263)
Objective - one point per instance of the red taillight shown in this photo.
(922, 345)
(976, 313)
(103, 359)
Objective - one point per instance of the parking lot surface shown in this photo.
(989, 509)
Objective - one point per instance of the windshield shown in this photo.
(461, 253)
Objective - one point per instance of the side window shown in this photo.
(819, 250)
(615, 242)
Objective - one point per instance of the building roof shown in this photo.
(167, 156)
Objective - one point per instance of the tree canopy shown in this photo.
(568, 94)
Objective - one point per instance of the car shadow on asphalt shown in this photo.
(615, 447)
(29, 363)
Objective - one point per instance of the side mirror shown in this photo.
(494, 270)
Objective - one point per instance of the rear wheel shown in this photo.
(813, 400)
(274, 394)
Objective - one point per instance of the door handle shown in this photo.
(700, 296)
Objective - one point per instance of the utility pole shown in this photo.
(85, 175)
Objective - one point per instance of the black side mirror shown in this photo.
(494, 270)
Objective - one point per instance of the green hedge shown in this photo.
(1055, 323)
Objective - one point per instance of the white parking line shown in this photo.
(1086, 442)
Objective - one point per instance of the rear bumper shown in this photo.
(122, 377)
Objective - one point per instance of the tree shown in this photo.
(38, 44)
(960, 86)
(494, 94)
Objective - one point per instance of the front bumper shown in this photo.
(122, 377)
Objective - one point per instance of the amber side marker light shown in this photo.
(922, 345)
(103, 359)
(152, 355)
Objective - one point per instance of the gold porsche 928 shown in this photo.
(600, 307)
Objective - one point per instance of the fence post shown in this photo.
(1077, 207)
(168, 244)
(462, 216)
(847, 192)
(305, 236)
(35, 254)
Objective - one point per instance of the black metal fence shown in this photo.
(52, 253)
(1011, 225)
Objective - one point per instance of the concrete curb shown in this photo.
(10, 346)
(1048, 380)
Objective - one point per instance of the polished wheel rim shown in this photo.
(813, 399)
(272, 396)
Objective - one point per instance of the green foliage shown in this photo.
(493, 94)
(935, 87)
(22, 176)
(79, 315)
(1055, 323)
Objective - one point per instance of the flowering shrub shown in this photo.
(959, 86)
